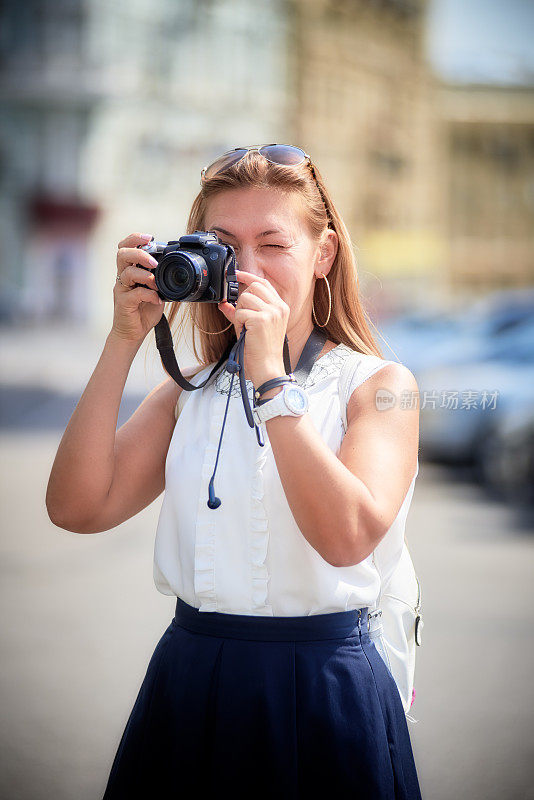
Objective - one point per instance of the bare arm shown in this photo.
(345, 503)
(101, 476)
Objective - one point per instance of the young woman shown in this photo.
(266, 680)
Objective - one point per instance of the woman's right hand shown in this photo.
(137, 310)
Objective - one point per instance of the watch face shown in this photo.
(296, 400)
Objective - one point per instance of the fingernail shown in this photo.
(153, 261)
(146, 236)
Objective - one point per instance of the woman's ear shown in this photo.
(328, 251)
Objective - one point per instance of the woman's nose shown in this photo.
(249, 262)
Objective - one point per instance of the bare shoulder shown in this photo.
(395, 378)
(381, 443)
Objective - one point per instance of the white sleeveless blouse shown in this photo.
(248, 556)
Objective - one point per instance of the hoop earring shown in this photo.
(329, 304)
(213, 333)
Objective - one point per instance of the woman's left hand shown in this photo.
(265, 316)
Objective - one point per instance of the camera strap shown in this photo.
(236, 361)
(165, 346)
(235, 357)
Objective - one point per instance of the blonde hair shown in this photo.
(348, 324)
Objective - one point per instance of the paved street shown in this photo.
(81, 617)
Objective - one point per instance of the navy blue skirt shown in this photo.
(288, 707)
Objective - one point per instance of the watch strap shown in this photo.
(261, 402)
(277, 405)
(273, 383)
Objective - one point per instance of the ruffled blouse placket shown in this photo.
(206, 526)
(259, 535)
(204, 577)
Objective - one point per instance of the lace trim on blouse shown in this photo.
(329, 363)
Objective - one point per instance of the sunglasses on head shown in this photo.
(285, 155)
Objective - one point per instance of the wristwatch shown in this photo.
(292, 401)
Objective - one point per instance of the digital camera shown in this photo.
(198, 268)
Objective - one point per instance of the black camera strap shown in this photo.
(165, 345)
(235, 357)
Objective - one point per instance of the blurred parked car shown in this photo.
(475, 371)
(494, 397)
(426, 339)
(456, 433)
(506, 456)
(418, 339)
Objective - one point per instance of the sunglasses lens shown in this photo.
(284, 154)
(223, 162)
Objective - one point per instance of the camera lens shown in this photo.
(182, 276)
(178, 277)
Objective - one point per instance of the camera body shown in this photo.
(197, 268)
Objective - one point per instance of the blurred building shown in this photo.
(365, 108)
(48, 95)
(488, 147)
(110, 109)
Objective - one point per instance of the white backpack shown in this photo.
(396, 618)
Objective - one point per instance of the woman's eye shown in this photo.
(279, 246)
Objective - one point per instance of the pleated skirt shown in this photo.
(287, 707)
